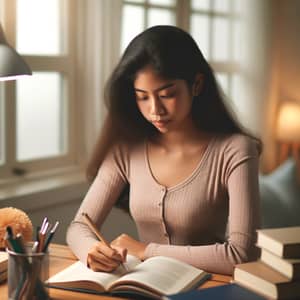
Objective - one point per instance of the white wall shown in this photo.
(285, 71)
(289, 71)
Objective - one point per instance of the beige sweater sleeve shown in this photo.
(243, 220)
(98, 202)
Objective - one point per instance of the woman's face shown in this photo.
(166, 103)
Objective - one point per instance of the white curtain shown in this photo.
(258, 100)
(99, 50)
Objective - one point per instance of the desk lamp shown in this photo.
(288, 131)
(12, 65)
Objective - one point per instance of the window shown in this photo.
(37, 114)
(45, 121)
(141, 14)
(214, 24)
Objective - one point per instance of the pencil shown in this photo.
(93, 227)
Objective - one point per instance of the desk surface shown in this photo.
(61, 257)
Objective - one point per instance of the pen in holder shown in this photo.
(27, 273)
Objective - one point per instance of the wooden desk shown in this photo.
(61, 257)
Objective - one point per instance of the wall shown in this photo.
(285, 71)
(289, 60)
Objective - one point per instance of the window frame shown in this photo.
(228, 67)
(179, 10)
(65, 64)
(183, 13)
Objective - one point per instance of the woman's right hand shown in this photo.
(105, 259)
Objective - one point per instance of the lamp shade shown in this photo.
(288, 123)
(12, 64)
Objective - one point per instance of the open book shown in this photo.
(154, 278)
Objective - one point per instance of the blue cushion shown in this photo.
(280, 197)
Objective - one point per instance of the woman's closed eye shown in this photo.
(141, 97)
(168, 93)
(145, 98)
(167, 96)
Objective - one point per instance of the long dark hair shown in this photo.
(173, 54)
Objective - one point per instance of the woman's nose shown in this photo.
(156, 107)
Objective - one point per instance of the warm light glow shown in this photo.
(288, 123)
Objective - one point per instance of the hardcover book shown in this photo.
(264, 280)
(155, 277)
(224, 292)
(284, 242)
(287, 266)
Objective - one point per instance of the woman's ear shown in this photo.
(198, 84)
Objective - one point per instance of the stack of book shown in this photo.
(277, 273)
(3, 265)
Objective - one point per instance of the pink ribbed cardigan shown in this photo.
(208, 220)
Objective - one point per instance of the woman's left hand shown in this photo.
(133, 246)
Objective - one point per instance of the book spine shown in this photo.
(291, 251)
(296, 272)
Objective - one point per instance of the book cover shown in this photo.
(284, 242)
(263, 279)
(155, 277)
(286, 266)
(224, 292)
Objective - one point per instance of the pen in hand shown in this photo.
(93, 227)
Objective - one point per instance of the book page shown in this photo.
(74, 275)
(163, 274)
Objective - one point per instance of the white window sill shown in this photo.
(39, 193)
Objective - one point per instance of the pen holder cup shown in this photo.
(27, 274)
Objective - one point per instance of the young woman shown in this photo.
(191, 170)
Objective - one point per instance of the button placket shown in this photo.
(161, 205)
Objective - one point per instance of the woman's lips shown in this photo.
(160, 123)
